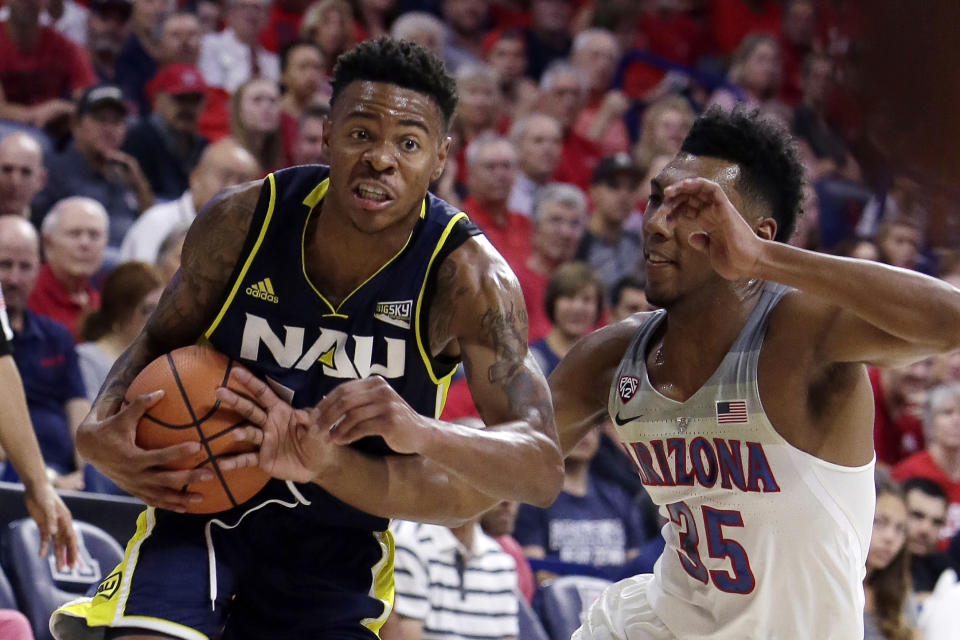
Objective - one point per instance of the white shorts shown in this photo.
(623, 612)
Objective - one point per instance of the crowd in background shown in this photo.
(120, 119)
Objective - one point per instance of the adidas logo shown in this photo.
(263, 290)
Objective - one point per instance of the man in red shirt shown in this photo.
(563, 93)
(899, 397)
(40, 70)
(74, 237)
(492, 164)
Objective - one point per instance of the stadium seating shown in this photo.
(561, 603)
(39, 586)
(7, 599)
(530, 626)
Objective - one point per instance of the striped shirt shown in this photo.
(458, 593)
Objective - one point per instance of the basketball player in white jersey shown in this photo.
(744, 402)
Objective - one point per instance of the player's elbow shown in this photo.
(548, 479)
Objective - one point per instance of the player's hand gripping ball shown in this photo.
(190, 411)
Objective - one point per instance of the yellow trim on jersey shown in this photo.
(78, 619)
(442, 390)
(312, 200)
(423, 288)
(246, 265)
(382, 587)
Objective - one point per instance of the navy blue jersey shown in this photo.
(279, 325)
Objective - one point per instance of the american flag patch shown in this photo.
(732, 412)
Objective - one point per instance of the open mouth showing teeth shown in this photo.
(371, 193)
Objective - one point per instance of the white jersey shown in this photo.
(762, 540)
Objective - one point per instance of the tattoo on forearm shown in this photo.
(507, 330)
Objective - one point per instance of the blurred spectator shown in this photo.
(573, 301)
(372, 18)
(609, 248)
(137, 62)
(69, 18)
(93, 165)
(308, 146)
(478, 109)
(498, 523)
(505, 51)
(40, 69)
(255, 121)
(538, 140)
(465, 20)
(108, 27)
(180, 38)
(223, 164)
(591, 522)
(798, 39)
(492, 164)
(899, 397)
(559, 218)
(232, 57)
(810, 122)
(283, 23)
(946, 367)
(940, 461)
(329, 23)
(628, 296)
(422, 28)
(166, 143)
(301, 73)
(548, 38)
(665, 124)
(859, 248)
(926, 515)
(732, 20)
(74, 236)
(596, 53)
(754, 74)
(887, 584)
(168, 255)
(562, 95)
(22, 173)
(453, 583)
(130, 294)
(898, 242)
(45, 356)
(210, 15)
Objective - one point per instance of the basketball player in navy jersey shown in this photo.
(744, 403)
(354, 293)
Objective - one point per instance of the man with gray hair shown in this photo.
(74, 237)
(563, 93)
(559, 220)
(596, 53)
(422, 28)
(492, 165)
(538, 139)
(22, 173)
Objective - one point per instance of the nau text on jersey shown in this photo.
(329, 350)
(675, 462)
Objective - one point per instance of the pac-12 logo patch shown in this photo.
(627, 386)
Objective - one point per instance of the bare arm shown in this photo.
(191, 299)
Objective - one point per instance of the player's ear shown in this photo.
(766, 228)
(442, 152)
(326, 135)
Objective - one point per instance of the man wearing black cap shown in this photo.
(612, 250)
(93, 165)
(166, 142)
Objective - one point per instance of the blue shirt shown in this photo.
(544, 355)
(597, 528)
(47, 361)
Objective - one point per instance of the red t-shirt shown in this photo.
(459, 402)
(53, 68)
(731, 20)
(577, 160)
(512, 240)
(893, 439)
(49, 298)
(922, 465)
(282, 28)
(525, 582)
(533, 286)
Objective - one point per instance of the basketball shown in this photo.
(190, 411)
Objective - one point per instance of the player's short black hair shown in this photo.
(925, 485)
(398, 62)
(770, 168)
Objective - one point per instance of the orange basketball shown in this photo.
(190, 411)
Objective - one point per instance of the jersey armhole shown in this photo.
(462, 229)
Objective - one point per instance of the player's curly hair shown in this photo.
(770, 168)
(398, 62)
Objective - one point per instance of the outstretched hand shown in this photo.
(732, 245)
